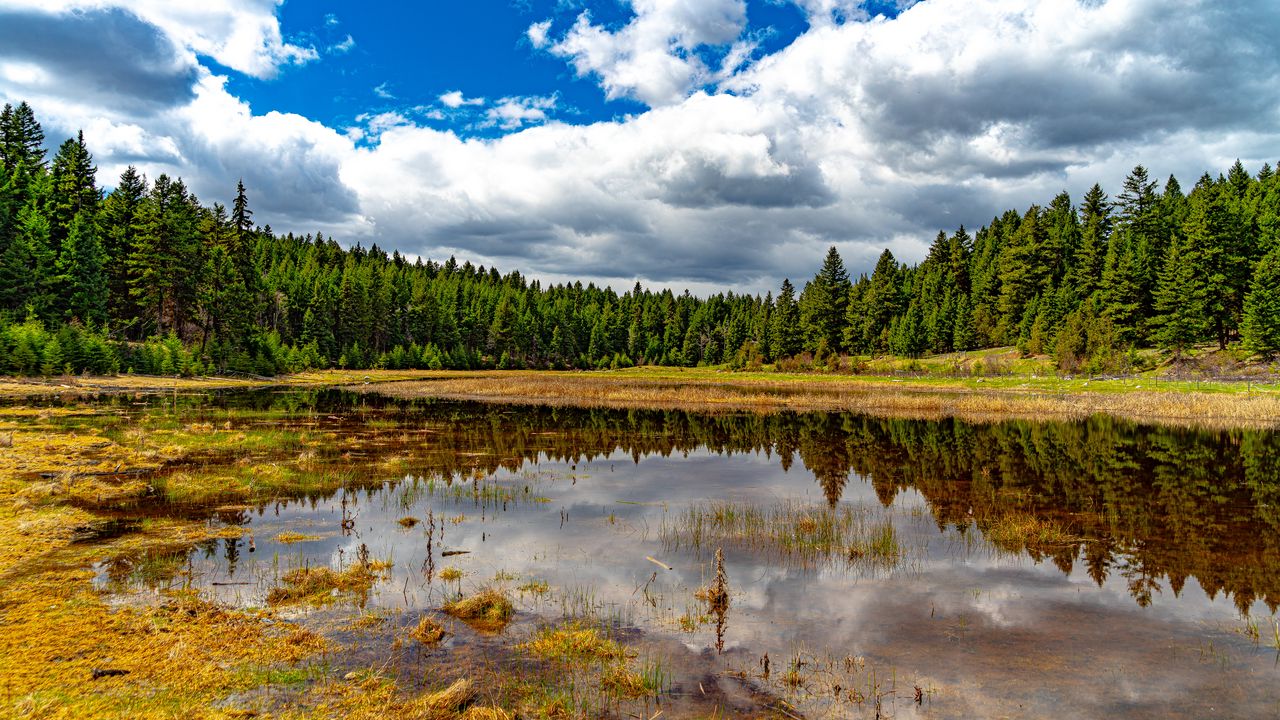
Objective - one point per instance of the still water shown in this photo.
(1014, 569)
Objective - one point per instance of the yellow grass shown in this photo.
(1219, 404)
(487, 611)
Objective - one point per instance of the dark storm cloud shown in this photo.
(107, 56)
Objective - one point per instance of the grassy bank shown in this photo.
(1179, 402)
(979, 386)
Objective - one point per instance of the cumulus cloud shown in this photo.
(455, 99)
(537, 33)
(241, 34)
(652, 58)
(862, 133)
(511, 113)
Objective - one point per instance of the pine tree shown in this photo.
(824, 303)
(21, 140)
(1181, 299)
(80, 270)
(118, 220)
(786, 332)
(74, 188)
(882, 302)
(1260, 329)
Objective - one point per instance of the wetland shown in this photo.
(323, 553)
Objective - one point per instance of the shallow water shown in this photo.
(1165, 548)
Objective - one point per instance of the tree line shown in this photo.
(146, 278)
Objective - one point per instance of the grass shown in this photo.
(488, 611)
(428, 631)
(573, 641)
(791, 532)
(322, 585)
(1150, 399)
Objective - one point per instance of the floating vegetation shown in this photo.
(488, 611)
(451, 574)
(408, 522)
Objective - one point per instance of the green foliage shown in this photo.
(1261, 326)
(150, 279)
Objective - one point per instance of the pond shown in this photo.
(873, 567)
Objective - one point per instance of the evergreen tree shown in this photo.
(21, 140)
(1260, 329)
(80, 270)
(825, 300)
(787, 337)
(74, 189)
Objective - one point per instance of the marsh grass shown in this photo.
(488, 611)
(322, 585)
(1018, 530)
(805, 535)
(428, 631)
(1027, 396)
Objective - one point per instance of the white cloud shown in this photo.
(384, 93)
(241, 34)
(864, 134)
(512, 113)
(455, 100)
(343, 47)
(537, 33)
(652, 58)
(330, 20)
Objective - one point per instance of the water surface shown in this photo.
(1153, 596)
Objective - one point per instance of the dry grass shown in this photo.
(574, 642)
(322, 585)
(428, 631)
(290, 538)
(488, 611)
(1219, 405)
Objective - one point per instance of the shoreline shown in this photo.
(1212, 404)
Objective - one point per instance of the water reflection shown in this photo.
(1086, 569)
(1148, 504)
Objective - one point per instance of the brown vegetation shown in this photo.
(969, 399)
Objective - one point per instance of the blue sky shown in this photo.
(701, 144)
(402, 57)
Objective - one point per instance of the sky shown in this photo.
(701, 144)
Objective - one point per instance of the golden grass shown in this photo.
(488, 611)
(321, 585)
(291, 538)
(573, 642)
(1220, 404)
(428, 631)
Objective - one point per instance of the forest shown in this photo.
(147, 279)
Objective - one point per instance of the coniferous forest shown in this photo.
(148, 279)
